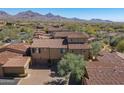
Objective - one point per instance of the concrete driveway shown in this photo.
(9, 81)
(36, 77)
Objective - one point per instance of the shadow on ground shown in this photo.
(9, 81)
(39, 66)
(56, 82)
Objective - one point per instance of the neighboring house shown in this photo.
(72, 37)
(51, 30)
(9, 23)
(41, 35)
(2, 23)
(39, 27)
(16, 66)
(13, 59)
(56, 25)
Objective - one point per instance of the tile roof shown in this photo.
(105, 76)
(18, 61)
(53, 29)
(4, 56)
(41, 35)
(39, 32)
(48, 43)
(18, 46)
(57, 43)
(109, 69)
(60, 29)
(11, 51)
(71, 34)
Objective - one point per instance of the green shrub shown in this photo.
(120, 46)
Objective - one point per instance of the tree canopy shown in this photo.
(96, 47)
(73, 64)
(14, 33)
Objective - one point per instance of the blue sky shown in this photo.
(114, 14)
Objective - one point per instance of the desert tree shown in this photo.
(96, 47)
(72, 65)
(120, 46)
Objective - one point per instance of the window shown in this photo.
(39, 50)
(33, 50)
(62, 50)
(72, 51)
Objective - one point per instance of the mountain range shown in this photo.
(34, 16)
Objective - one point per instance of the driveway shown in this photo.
(36, 77)
(8, 81)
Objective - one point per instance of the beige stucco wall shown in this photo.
(1, 72)
(56, 53)
(48, 54)
(27, 67)
(14, 70)
(85, 53)
(44, 54)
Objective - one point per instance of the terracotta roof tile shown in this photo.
(48, 43)
(18, 61)
(71, 34)
(11, 51)
(18, 46)
(4, 56)
(109, 69)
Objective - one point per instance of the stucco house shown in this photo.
(62, 42)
